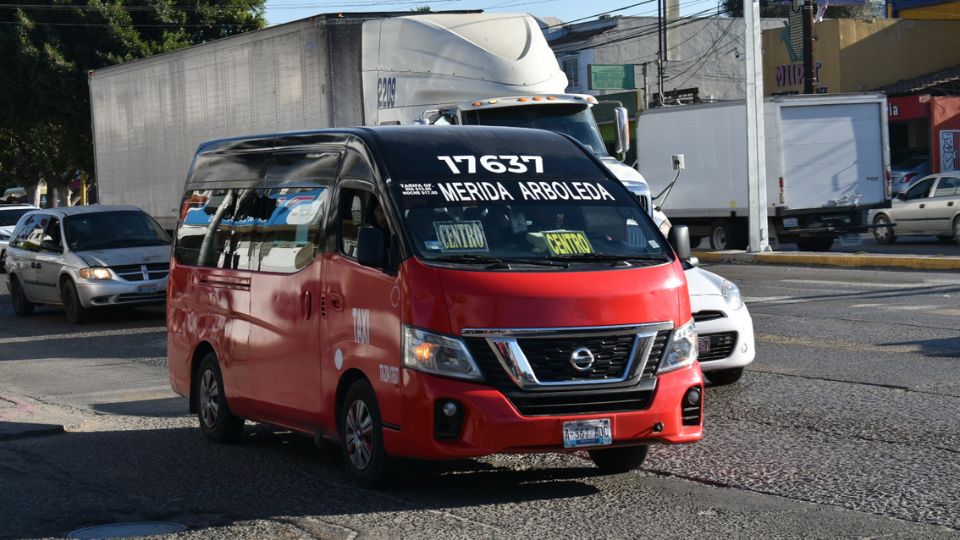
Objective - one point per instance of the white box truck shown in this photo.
(336, 70)
(827, 163)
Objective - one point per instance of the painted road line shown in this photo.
(845, 260)
(83, 335)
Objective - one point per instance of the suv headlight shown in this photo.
(95, 273)
(682, 349)
(731, 295)
(435, 353)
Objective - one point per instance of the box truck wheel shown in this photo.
(619, 460)
(883, 233)
(817, 243)
(217, 423)
(726, 234)
(361, 436)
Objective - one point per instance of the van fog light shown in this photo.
(447, 420)
(693, 396)
(449, 409)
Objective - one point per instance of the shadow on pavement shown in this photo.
(940, 348)
(64, 482)
(152, 408)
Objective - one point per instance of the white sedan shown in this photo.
(724, 326)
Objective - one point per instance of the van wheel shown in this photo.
(76, 313)
(817, 243)
(361, 436)
(217, 423)
(723, 377)
(619, 460)
(883, 233)
(21, 306)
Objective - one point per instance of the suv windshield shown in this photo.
(113, 230)
(10, 217)
(574, 120)
(555, 222)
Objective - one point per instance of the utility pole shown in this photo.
(661, 49)
(756, 152)
(809, 75)
(646, 88)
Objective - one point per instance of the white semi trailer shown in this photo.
(827, 163)
(347, 69)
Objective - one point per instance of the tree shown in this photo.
(48, 51)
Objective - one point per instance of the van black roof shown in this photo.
(407, 152)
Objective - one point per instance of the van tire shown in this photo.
(74, 310)
(361, 437)
(217, 422)
(884, 234)
(722, 377)
(21, 305)
(619, 460)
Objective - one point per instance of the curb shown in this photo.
(845, 260)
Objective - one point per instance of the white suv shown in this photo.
(9, 215)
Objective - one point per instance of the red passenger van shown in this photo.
(429, 292)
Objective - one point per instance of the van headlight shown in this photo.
(439, 354)
(95, 273)
(682, 349)
(731, 295)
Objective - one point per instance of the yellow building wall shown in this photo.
(947, 11)
(861, 55)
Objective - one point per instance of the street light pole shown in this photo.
(756, 156)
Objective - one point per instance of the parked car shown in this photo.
(907, 173)
(9, 215)
(724, 326)
(930, 207)
(87, 257)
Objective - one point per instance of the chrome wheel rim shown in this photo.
(719, 238)
(881, 232)
(209, 399)
(359, 435)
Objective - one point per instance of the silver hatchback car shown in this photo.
(85, 257)
(930, 207)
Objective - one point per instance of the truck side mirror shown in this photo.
(679, 238)
(371, 247)
(623, 130)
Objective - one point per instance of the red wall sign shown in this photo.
(908, 107)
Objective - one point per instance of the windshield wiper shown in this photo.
(495, 262)
(608, 257)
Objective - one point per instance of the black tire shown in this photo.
(726, 234)
(21, 306)
(361, 437)
(3, 262)
(817, 243)
(619, 460)
(723, 377)
(217, 422)
(74, 310)
(883, 234)
(956, 230)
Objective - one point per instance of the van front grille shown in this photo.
(141, 272)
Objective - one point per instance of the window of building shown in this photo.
(571, 67)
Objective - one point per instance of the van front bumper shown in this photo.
(115, 292)
(492, 424)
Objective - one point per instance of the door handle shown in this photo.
(950, 203)
(306, 305)
(336, 301)
(923, 205)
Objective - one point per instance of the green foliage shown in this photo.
(49, 46)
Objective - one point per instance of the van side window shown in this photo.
(32, 232)
(52, 233)
(288, 228)
(22, 232)
(358, 208)
(200, 238)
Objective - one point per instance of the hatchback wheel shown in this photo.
(956, 230)
(21, 306)
(74, 310)
(883, 232)
(217, 423)
(361, 437)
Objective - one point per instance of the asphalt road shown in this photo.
(845, 425)
(904, 245)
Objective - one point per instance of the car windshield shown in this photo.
(10, 217)
(574, 120)
(556, 222)
(113, 230)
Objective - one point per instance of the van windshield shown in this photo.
(113, 230)
(555, 222)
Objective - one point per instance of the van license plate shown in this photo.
(148, 289)
(703, 344)
(587, 433)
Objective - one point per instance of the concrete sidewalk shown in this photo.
(849, 260)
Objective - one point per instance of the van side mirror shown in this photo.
(679, 238)
(371, 247)
(49, 245)
(902, 195)
(622, 119)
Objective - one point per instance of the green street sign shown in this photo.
(611, 77)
